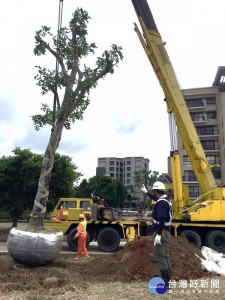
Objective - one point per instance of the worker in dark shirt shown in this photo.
(161, 218)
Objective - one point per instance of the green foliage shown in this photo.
(64, 177)
(83, 190)
(18, 181)
(69, 46)
(42, 120)
(103, 187)
(19, 176)
(78, 24)
(145, 177)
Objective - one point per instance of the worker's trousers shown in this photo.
(161, 252)
(82, 246)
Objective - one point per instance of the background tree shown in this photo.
(69, 48)
(103, 187)
(64, 178)
(82, 190)
(19, 175)
(146, 177)
(18, 179)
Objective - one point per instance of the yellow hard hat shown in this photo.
(81, 216)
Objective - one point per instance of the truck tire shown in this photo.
(192, 237)
(215, 239)
(74, 243)
(108, 239)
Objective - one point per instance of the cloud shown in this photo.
(73, 146)
(125, 123)
(35, 140)
(7, 111)
(130, 127)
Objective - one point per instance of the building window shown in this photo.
(128, 168)
(211, 101)
(194, 191)
(186, 159)
(210, 145)
(128, 174)
(128, 181)
(189, 176)
(112, 175)
(211, 115)
(128, 162)
(112, 162)
(197, 117)
(111, 169)
(194, 103)
(207, 130)
(216, 174)
(213, 159)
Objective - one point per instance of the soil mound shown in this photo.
(136, 262)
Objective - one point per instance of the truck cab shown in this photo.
(67, 203)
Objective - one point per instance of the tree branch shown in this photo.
(75, 67)
(57, 56)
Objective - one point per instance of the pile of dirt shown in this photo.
(120, 275)
(136, 262)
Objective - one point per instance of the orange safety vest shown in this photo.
(81, 229)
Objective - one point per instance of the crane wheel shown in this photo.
(192, 237)
(215, 239)
(108, 239)
(74, 243)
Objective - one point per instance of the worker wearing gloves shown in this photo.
(161, 217)
(82, 237)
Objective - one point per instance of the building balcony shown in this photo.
(211, 148)
(214, 132)
(192, 105)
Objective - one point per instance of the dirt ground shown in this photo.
(121, 275)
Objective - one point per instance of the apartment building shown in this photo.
(207, 109)
(123, 169)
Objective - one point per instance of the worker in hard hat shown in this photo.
(161, 218)
(82, 237)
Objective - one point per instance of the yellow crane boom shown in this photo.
(157, 54)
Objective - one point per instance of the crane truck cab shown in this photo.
(67, 205)
(102, 226)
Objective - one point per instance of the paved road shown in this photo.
(9, 224)
(92, 249)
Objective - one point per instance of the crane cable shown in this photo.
(172, 129)
(57, 63)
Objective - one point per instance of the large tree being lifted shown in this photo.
(35, 244)
(68, 51)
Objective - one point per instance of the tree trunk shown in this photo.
(39, 208)
(15, 221)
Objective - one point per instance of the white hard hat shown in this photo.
(158, 185)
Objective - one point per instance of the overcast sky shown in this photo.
(127, 115)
